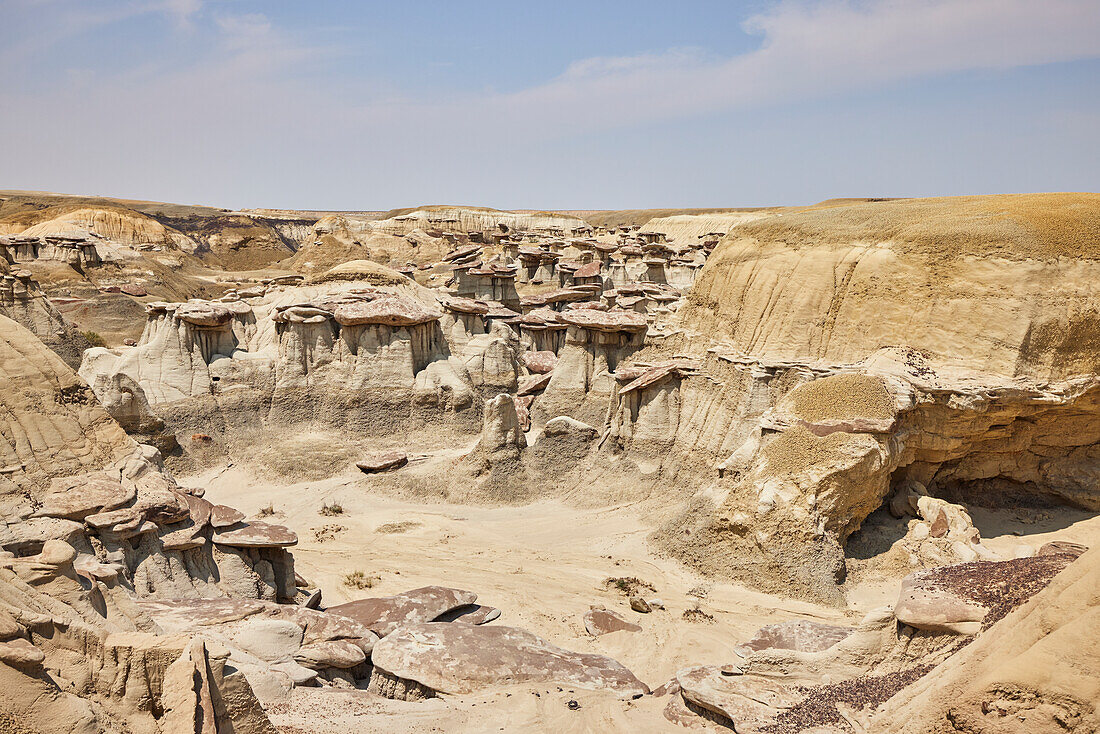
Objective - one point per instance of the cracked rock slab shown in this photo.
(384, 614)
(458, 658)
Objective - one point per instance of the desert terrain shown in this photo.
(827, 468)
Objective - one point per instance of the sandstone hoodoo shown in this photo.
(531, 465)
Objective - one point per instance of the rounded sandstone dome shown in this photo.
(368, 270)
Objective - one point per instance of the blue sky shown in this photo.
(364, 105)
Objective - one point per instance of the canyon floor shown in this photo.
(544, 565)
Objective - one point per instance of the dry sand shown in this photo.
(543, 565)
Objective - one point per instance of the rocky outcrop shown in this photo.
(460, 658)
(22, 301)
(599, 621)
(596, 342)
(385, 614)
(107, 224)
(275, 646)
(53, 426)
(686, 229)
(476, 219)
(1035, 670)
(811, 469)
(303, 354)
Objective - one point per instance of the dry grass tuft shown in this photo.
(698, 616)
(629, 585)
(396, 527)
(360, 580)
(331, 510)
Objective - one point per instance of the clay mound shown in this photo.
(338, 239)
(1037, 670)
(366, 270)
(242, 242)
(996, 283)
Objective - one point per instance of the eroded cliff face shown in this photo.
(981, 280)
(22, 301)
(475, 219)
(924, 326)
(1035, 671)
(114, 224)
(993, 398)
(341, 355)
(810, 455)
(92, 524)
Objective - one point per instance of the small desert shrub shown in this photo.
(697, 615)
(360, 580)
(267, 511)
(629, 585)
(332, 510)
(95, 339)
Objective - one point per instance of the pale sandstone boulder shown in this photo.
(539, 363)
(20, 653)
(75, 498)
(339, 654)
(204, 314)
(223, 516)
(500, 430)
(386, 309)
(470, 614)
(750, 704)
(269, 639)
(563, 425)
(256, 534)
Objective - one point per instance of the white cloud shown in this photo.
(819, 49)
(249, 87)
